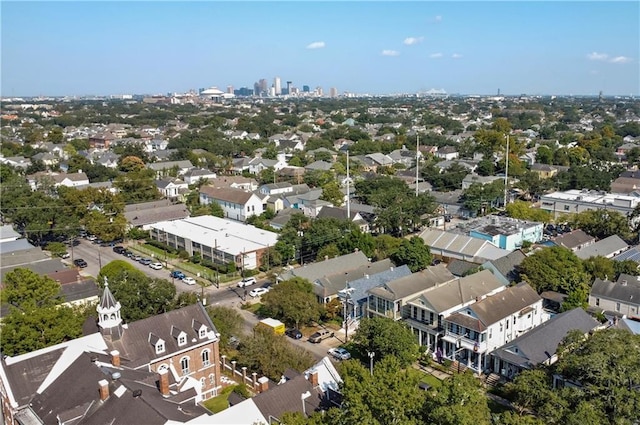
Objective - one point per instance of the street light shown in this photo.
(371, 354)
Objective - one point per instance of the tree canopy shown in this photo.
(386, 337)
(293, 302)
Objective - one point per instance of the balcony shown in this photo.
(465, 342)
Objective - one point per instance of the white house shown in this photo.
(170, 188)
(236, 203)
(472, 333)
(196, 174)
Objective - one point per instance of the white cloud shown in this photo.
(620, 59)
(316, 45)
(456, 56)
(435, 55)
(438, 18)
(595, 56)
(390, 53)
(412, 40)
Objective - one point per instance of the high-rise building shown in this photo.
(277, 85)
(289, 87)
(230, 89)
(264, 86)
(305, 89)
(319, 91)
(256, 89)
(333, 92)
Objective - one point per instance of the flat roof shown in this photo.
(226, 235)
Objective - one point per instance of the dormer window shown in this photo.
(157, 343)
(203, 332)
(182, 340)
(179, 335)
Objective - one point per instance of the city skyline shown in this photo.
(109, 48)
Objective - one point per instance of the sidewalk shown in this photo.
(435, 372)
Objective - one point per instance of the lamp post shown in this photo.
(346, 321)
(371, 354)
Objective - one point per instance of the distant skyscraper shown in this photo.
(277, 85)
(319, 91)
(289, 87)
(256, 89)
(230, 89)
(305, 89)
(264, 86)
(333, 92)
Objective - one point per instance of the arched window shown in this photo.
(212, 379)
(184, 364)
(113, 316)
(203, 382)
(162, 367)
(205, 358)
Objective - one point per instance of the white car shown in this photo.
(247, 281)
(155, 266)
(189, 280)
(340, 353)
(258, 292)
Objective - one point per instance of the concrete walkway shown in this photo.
(435, 372)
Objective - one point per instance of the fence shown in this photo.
(252, 381)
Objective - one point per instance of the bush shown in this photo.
(183, 255)
(137, 234)
(242, 390)
(162, 246)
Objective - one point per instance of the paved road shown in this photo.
(227, 295)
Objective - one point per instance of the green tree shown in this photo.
(293, 302)
(601, 223)
(524, 211)
(600, 267)
(390, 396)
(459, 401)
(414, 253)
(56, 248)
(272, 354)
(331, 193)
(554, 268)
(387, 337)
(227, 321)
(35, 320)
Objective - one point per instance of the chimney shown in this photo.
(104, 389)
(115, 358)
(313, 378)
(164, 382)
(263, 384)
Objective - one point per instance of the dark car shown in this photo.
(79, 262)
(118, 249)
(177, 274)
(293, 333)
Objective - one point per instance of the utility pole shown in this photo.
(348, 195)
(417, 162)
(506, 173)
(346, 321)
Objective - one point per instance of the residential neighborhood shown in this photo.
(475, 241)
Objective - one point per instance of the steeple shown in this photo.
(108, 310)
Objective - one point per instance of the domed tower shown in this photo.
(109, 319)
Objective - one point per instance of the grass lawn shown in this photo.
(253, 308)
(219, 403)
(428, 378)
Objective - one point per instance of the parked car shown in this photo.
(258, 292)
(321, 335)
(136, 257)
(294, 333)
(79, 262)
(119, 249)
(155, 266)
(64, 255)
(177, 274)
(189, 280)
(247, 281)
(340, 353)
(145, 261)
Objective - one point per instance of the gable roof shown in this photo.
(573, 239)
(626, 289)
(506, 265)
(460, 291)
(604, 247)
(320, 269)
(236, 196)
(454, 245)
(331, 284)
(414, 283)
(541, 343)
(135, 354)
(496, 307)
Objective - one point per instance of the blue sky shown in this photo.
(79, 48)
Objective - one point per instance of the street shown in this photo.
(228, 295)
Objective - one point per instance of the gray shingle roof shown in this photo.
(331, 266)
(236, 196)
(605, 247)
(507, 265)
(332, 284)
(537, 345)
(455, 292)
(496, 307)
(573, 239)
(414, 283)
(626, 289)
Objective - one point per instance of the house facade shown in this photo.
(577, 201)
(473, 332)
(236, 203)
(620, 298)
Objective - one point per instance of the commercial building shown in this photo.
(216, 239)
(577, 201)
